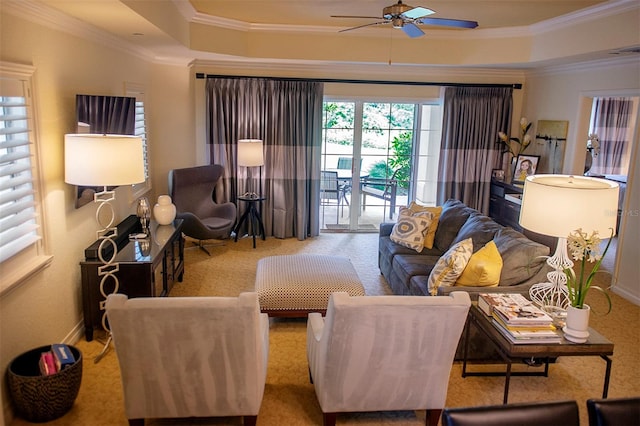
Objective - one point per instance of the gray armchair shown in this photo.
(192, 191)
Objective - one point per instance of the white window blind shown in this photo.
(141, 130)
(19, 227)
(137, 91)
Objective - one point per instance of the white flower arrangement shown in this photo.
(584, 248)
(593, 144)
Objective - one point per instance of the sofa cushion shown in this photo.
(419, 285)
(483, 269)
(436, 212)
(454, 215)
(406, 266)
(411, 228)
(521, 257)
(450, 266)
(479, 228)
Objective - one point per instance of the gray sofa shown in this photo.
(407, 271)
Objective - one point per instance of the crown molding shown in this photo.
(586, 15)
(600, 64)
(581, 16)
(49, 17)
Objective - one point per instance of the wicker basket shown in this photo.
(40, 398)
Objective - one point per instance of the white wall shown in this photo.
(625, 280)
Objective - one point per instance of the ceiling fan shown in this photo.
(407, 18)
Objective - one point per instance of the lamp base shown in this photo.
(550, 294)
(554, 292)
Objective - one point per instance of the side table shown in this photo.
(252, 214)
(596, 345)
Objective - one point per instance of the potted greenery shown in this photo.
(583, 248)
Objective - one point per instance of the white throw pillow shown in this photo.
(411, 228)
(450, 266)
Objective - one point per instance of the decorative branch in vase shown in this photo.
(516, 146)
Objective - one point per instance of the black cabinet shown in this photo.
(504, 204)
(146, 268)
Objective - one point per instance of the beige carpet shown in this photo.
(289, 398)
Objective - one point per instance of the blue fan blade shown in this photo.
(448, 22)
(417, 12)
(412, 31)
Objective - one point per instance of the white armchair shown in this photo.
(190, 356)
(384, 353)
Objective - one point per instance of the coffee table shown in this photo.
(596, 345)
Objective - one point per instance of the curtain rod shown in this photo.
(200, 75)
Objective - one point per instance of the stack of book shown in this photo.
(518, 319)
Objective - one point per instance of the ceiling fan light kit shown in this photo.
(407, 18)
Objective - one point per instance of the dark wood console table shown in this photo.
(147, 267)
(504, 203)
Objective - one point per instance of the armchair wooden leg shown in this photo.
(329, 419)
(432, 418)
(250, 420)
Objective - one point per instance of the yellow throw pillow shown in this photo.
(450, 266)
(483, 269)
(436, 212)
(410, 229)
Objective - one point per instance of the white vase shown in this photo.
(164, 211)
(577, 325)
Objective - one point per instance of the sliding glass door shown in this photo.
(369, 153)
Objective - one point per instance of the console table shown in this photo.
(148, 267)
(596, 345)
(504, 203)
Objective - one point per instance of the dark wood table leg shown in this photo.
(507, 379)
(607, 376)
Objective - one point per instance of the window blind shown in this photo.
(141, 130)
(19, 227)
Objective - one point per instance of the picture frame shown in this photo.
(526, 165)
(497, 174)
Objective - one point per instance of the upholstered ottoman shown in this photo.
(294, 285)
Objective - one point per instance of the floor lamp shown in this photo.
(557, 205)
(250, 154)
(104, 161)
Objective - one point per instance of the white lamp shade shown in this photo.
(250, 153)
(556, 205)
(103, 160)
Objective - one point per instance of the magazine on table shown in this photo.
(552, 337)
(529, 315)
(487, 301)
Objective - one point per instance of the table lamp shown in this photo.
(250, 154)
(106, 161)
(556, 205)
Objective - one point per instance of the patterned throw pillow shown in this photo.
(431, 233)
(483, 269)
(410, 229)
(450, 266)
